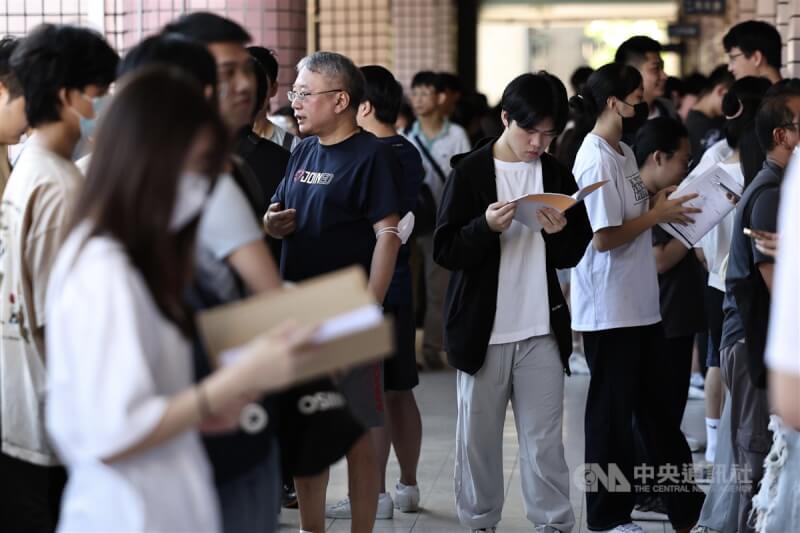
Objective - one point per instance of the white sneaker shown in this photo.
(697, 380)
(342, 509)
(630, 527)
(696, 394)
(578, 364)
(694, 444)
(406, 498)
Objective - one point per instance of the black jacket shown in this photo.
(464, 244)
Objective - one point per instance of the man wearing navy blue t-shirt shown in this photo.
(338, 193)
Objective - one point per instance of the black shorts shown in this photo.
(400, 370)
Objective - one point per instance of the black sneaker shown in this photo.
(289, 497)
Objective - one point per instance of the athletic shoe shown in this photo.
(697, 380)
(694, 444)
(289, 496)
(703, 529)
(578, 364)
(342, 509)
(630, 527)
(651, 508)
(406, 498)
(696, 394)
(487, 529)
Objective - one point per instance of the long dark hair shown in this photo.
(142, 143)
(614, 79)
(739, 106)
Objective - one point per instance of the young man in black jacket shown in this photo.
(507, 325)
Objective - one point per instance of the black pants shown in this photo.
(628, 384)
(677, 366)
(30, 495)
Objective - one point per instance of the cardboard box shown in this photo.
(310, 303)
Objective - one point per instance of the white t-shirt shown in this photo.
(783, 342)
(451, 140)
(37, 204)
(114, 362)
(710, 243)
(523, 309)
(716, 244)
(279, 137)
(617, 288)
(226, 225)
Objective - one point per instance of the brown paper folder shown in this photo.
(311, 302)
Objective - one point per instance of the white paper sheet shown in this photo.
(715, 188)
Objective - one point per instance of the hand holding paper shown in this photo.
(499, 215)
(334, 323)
(715, 193)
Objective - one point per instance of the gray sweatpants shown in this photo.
(530, 374)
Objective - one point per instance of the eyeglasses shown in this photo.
(732, 57)
(295, 95)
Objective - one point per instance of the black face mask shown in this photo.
(631, 124)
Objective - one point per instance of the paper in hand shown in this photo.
(717, 192)
(530, 204)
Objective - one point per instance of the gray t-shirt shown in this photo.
(227, 224)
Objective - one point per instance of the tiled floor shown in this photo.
(436, 398)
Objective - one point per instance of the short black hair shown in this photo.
(7, 77)
(427, 78)
(55, 57)
(530, 98)
(754, 35)
(172, 50)
(450, 82)
(579, 76)
(674, 85)
(266, 58)
(208, 28)
(719, 76)
(262, 87)
(695, 83)
(662, 134)
(634, 50)
(774, 113)
(383, 92)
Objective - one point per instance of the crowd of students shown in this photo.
(154, 186)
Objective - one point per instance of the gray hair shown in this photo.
(340, 68)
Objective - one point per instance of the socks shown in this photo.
(711, 438)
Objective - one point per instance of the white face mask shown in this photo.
(405, 227)
(190, 198)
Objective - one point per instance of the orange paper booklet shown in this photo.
(530, 204)
(351, 327)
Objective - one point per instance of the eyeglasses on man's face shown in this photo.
(302, 95)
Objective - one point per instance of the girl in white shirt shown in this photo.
(122, 410)
(615, 305)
